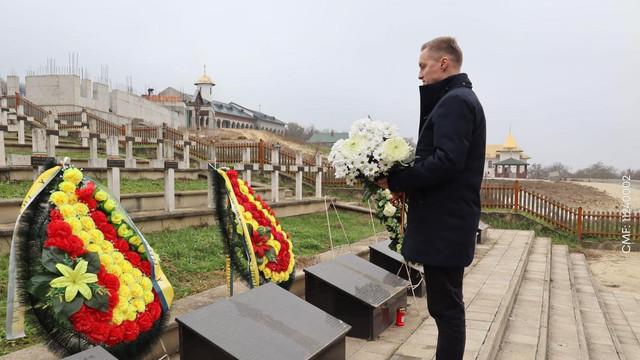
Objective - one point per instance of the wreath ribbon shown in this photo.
(15, 310)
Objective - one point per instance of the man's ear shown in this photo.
(444, 63)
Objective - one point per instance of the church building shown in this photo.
(506, 160)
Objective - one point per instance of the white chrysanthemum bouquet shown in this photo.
(372, 151)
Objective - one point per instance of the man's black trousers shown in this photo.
(444, 301)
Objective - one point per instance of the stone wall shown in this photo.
(69, 93)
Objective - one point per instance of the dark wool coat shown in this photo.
(443, 185)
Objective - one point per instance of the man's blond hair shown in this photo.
(444, 46)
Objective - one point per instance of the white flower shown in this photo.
(396, 149)
(389, 210)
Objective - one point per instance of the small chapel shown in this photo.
(505, 161)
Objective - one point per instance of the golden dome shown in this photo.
(204, 79)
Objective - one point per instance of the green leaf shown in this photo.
(93, 260)
(99, 300)
(271, 254)
(38, 285)
(51, 256)
(250, 229)
(264, 230)
(66, 309)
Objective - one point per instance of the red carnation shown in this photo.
(55, 215)
(133, 257)
(82, 321)
(58, 228)
(115, 335)
(109, 281)
(86, 192)
(121, 244)
(100, 332)
(258, 199)
(99, 218)
(71, 244)
(145, 321)
(131, 330)
(232, 174)
(109, 232)
(145, 267)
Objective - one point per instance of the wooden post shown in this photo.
(299, 176)
(275, 175)
(169, 180)
(516, 193)
(579, 224)
(186, 151)
(130, 162)
(113, 173)
(246, 159)
(319, 176)
(85, 128)
(261, 153)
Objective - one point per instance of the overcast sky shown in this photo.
(563, 75)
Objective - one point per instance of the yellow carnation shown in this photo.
(115, 270)
(59, 198)
(109, 205)
(67, 211)
(123, 304)
(267, 272)
(126, 267)
(117, 317)
(274, 244)
(87, 223)
(135, 240)
(73, 199)
(141, 249)
(101, 195)
(117, 257)
(131, 313)
(107, 246)
(137, 274)
(94, 248)
(72, 175)
(84, 236)
(125, 293)
(106, 260)
(76, 225)
(127, 279)
(148, 297)
(138, 304)
(81, 209)
(248, 216)
(95, 235)
(250, 197)
(67, 186)
(146, 284)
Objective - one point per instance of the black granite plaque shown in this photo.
(264, 323)
(94, 136)
(4, 128)
(95, 353)
(130, 138)
(361, 294)
(53, 132)
(170, 164)
(382, 256)
(22, 118)
(40, 160)
(115, 163)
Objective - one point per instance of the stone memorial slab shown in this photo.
(381, 255)
(95, 353)
(264, 323)
(358, 292)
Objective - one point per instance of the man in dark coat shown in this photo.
(443, 187)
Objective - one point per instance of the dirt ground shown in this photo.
(269, 137)
(569, 193)
(615, 191)
(615, 270)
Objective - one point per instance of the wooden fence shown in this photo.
(588, 223)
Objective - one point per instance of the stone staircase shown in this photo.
(530, 299)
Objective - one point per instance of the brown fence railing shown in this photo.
(30, 109)
(105, 126)
(73, 120)
(596, 223)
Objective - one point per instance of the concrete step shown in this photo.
(622, 311)
(490, 289)
(526, 331)
(601, 340)
(566, 335)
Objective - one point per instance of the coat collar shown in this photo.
(432, 93)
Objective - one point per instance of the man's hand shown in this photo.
(383, 183)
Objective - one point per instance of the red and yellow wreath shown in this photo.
(268, 248)
(85, 270)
